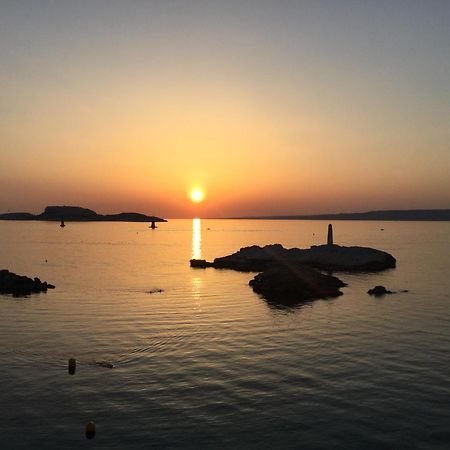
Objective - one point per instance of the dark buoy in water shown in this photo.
(62, 224)
(90, 430)
(72, 366)
(153, 226)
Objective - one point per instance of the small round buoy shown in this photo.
(72, 366)
(90, 430)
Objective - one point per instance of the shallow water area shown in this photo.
(200, 361)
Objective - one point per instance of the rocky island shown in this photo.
(293, 275)
(324, 257)
(78, 214)
(21, 285)
(291, 285)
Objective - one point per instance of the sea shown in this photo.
(202, 362)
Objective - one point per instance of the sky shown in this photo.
(269, 107)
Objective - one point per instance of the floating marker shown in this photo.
(90, 430)
(72, 366)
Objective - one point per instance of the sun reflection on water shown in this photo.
(196, 239)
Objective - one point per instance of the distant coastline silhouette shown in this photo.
(79, 214)
(405, 214)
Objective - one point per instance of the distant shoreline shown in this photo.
(388, 215)
(78, 214)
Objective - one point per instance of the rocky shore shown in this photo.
(21, 285)
(293, 275)
(325, 257)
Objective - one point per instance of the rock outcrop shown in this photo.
(291, 285)
(379, 291)
(20, 285)
(325, 257)
(291, 276)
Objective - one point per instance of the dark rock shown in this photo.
(105, 364)
(200, 263)
(289, 276)
(290, 285)
(155, 291)
(325, 257)
(379, 290)
(20, 286)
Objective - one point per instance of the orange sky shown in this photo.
(126, 109)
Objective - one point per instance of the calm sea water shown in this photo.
(207, 364)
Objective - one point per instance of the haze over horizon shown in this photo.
(269, 108)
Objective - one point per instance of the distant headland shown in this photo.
(407, 214)
(78, 214)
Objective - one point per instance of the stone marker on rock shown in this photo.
(330, 235)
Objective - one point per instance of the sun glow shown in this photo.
(197, 195)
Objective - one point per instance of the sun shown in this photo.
(197, 195)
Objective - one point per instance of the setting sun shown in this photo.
(197, 195)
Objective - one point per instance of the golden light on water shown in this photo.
(196, 239)
(197, 195)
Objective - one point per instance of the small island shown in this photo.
(291, 276)
(21, 285)
(78, 214)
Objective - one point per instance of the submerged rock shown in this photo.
(379, 290)
(200, 263)
(290, 285)
(106, 364)
(20, 285)
(155, 291)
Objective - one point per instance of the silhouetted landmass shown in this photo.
(292, 276)
(18, 216)
(292, 285)
(323, 257)
(410, 214)
(77, 214)
(21, 285)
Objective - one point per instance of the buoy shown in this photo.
(62, 225)
(90, 430)
(72, 366)
(153, 226)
